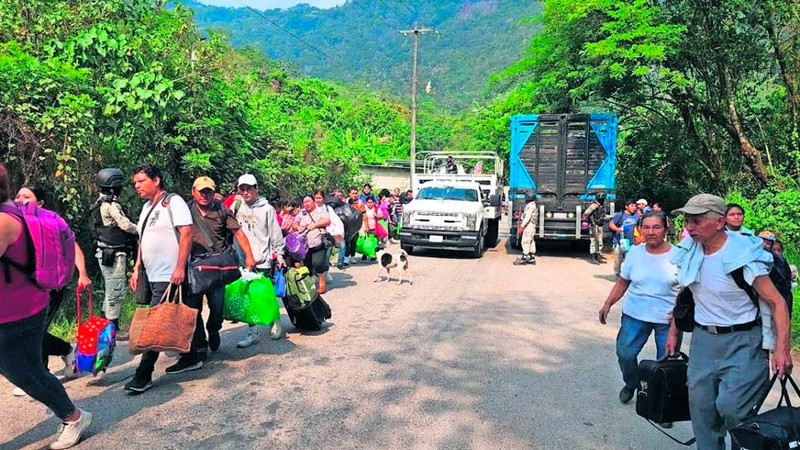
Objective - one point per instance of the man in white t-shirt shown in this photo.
(728, 368)
(165, 239)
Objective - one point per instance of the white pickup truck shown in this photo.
(456, 210)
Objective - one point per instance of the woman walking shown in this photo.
(649, 284)
(312, 221)
(23, 312)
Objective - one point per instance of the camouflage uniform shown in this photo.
(530, 218)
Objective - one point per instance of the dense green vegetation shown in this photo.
(475, 39)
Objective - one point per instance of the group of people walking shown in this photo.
(736, 341)
(170, 231)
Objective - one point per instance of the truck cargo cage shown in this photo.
(565, 159)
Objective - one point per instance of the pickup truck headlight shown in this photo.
(406, 218)
(471, 219)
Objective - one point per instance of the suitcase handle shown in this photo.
(78, 300)
(679, 355)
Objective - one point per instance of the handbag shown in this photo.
(663, 393)
(137, 322)
(280, 283)
(296, 246)
(211, 269)
(169, 326)
(778, 428)
(328, 241)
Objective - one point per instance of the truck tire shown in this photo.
(407, 248)
(490, 240)
(477, 251)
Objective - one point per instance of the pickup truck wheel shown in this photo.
(477, 251)
(407, 248)
(491, 234)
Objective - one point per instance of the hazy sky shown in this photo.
(269, 4)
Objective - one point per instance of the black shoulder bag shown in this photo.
(211, 270)
(683, 312)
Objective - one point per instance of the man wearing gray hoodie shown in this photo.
(260, 224)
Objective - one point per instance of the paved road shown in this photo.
(476, 354)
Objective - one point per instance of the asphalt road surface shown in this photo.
(477, 353)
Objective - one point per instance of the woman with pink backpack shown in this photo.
(23, 311)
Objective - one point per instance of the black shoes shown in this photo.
(139, 384)
(595, 259)
(184, 365)
(213, 342)
(625, 395)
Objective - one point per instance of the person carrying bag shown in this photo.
(169, 325)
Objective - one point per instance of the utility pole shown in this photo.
(414, 81)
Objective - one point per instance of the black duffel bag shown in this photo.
(777, 429)
(212, 270)
(663, 393)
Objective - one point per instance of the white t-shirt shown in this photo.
(654, 284)
(718, 300)
(159, 242)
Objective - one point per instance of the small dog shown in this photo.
(388, 261)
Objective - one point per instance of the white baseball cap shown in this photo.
(641, 201)
(247, 179)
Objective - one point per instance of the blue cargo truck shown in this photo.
(565, 159)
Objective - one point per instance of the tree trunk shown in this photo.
(788, 80)
(736, 130)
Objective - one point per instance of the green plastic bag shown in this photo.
(251, 302)
(367, 244)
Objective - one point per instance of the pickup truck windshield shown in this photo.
(448, 193)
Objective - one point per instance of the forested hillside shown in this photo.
(474, 39)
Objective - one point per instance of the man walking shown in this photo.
(526, 231)
(259, 222)
(595, 214)
(165, 241)
(623, 224)
(213, 231)
(116, 237)
(728, 367)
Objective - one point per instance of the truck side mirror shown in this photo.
(494, 200)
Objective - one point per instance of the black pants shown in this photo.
(351, 246)
(52, 345)
(149, 358)
(316, 260)
(216, 299)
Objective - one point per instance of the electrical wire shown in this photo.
(257, 12)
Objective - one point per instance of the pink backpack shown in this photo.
(52, 243)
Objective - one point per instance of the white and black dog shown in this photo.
(388, 261)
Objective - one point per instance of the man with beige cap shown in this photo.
(728, 369)
(213, 230)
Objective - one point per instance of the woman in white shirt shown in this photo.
(649, 284)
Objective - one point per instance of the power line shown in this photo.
(257, 12)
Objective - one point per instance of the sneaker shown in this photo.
(17, 392)
(353, 260)
(626, 394)
(139, 383)
(340, 266)
(72, 431)
(213, 342)
(252, 338)
(184, 365)
(276, 330)
(521, 261)
(69, 363)
(665, 424)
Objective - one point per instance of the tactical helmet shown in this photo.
(600, 196)
(109, 178)
(530, 195)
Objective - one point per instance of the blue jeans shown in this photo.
(21, 363)
(632, 336)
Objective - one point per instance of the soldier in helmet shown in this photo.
(116, 237)
(596, 217)
(527, 230)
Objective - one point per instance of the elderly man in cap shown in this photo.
(729, 364)
(641, 207)
(259, 223)
(213, 231)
